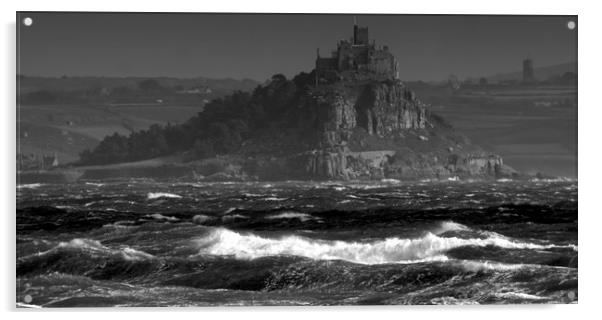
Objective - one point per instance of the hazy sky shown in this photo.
(259, 45)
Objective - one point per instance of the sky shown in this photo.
(256, 46)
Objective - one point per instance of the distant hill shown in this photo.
(66, 115)
(541, 73)
(29, 84)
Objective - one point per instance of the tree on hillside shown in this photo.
(219, 129)
(150, 86)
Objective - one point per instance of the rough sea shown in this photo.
(147, 243)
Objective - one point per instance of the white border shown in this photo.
(590, 156)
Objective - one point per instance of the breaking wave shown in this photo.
(430, 247)
(158, 216)
(95, 247)
(157, 195)
(292, 215)
(29, 186)
(450, 226)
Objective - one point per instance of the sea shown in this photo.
(143, 243)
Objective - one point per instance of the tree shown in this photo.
(279, 77)
(203, 148)
(150, 86)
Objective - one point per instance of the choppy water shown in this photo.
(144, 243)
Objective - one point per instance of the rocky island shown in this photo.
(351, 118)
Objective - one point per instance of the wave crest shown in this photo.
(157, 195)
(292, 215)
(430, 247)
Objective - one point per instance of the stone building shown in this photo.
(528, 73)
(357, 54)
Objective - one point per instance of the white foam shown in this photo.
(274, 199)
(450, 226)
(157, 195)
(158, 216)
(518, 295)
(201, 218)
(222, 241)
(95, 247)
(292, 215)
(229, 210)
(95, 184)
(475, 266)
(134, 255)
(232, 217)
(29, 186)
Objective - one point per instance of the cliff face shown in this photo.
(384, 108)
(378, 130)
(379, 108)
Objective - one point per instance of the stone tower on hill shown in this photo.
(528, 73)
(357, 56)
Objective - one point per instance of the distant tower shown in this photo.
(355, 30)
(528, 73)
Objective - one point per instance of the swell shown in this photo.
(561, 214)
(225, 259)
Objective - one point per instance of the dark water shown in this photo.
(144, 243)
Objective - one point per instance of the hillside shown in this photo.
(65, 116)
(293, 129)
(541, 73)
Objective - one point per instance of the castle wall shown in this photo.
(358, 54)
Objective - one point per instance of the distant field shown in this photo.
(70, 129)
(530, 138)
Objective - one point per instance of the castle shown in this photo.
(357, 55)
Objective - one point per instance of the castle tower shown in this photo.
(528, 73)
(360, 35)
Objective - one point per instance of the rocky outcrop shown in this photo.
(386, 107)
(351, 123)
(380, 108)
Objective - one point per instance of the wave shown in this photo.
(157, 195)
(233, 217)
(95, 184)
(274, 199)
(201, 218)
(430, 247)
(95, 247)
(158, 216)
(450, 226)
(390, 181)
(29, 186)
(292, 215)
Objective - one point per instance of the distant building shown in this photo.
(36, 162)
(528, 73)
(358, 54)
(50, 161)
